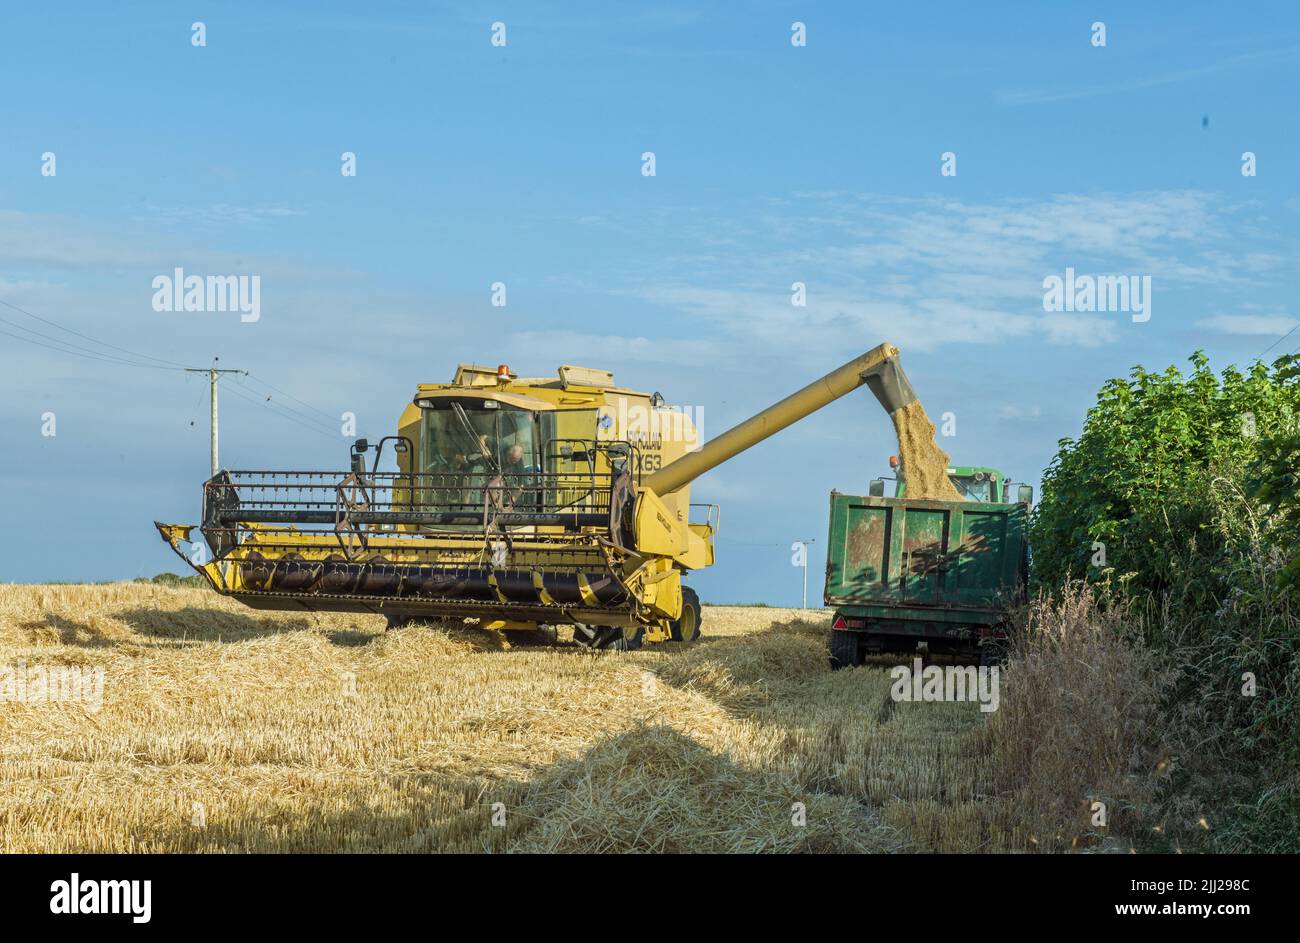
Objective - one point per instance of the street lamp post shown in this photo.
(804, 544)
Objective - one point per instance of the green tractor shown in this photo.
(936, 577)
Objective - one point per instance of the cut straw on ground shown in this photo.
(224, 729)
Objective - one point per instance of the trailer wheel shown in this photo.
(992, 654)
(686, 628)
(846, 649)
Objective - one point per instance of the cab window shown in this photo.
(972, 487)
(478, 440)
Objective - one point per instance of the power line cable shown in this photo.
(159, 363)
(296, 412)
(133, 359)
(1281, 339)
(275, 389)
(76, 351)
(272, 407)
(286, 409)
(87, 337)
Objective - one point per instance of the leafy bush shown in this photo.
(1130, 499)
(1275, 476)
(1182, 494)
(172, 579)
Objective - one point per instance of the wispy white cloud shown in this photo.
(58, 243)
(1137, 83)
(929, 272)
(601, 350)
(216, 214)
(1019, 411)
(67, 243)
(1249, 325)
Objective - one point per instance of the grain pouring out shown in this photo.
(923, 463)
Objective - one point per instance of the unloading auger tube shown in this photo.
(574, 535)
(878, 368)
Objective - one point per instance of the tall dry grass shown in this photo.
(1080, 722)
(224, 729)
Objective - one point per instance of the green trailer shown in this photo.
(905, 575)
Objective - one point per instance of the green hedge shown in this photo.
(1183, 493)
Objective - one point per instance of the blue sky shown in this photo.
(522, 164)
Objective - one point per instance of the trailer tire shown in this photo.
(992, 655)
(846, 649)
(686, 627)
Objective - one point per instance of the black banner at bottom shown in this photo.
(139, 893)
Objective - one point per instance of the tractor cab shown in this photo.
(973, 483)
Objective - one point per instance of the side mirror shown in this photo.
(361, 445)
(877, 488)
(1025, 494)
(399, 445)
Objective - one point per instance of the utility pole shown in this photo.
(805, 544)
(213, 375)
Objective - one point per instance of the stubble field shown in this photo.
(228, 730)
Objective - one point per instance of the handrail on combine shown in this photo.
(394, 499)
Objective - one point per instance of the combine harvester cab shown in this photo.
(518, 503)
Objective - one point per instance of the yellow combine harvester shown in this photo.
(522, 503)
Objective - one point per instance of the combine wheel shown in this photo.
(609, 637)
(622, 639)
(542, 635)
(686, 628)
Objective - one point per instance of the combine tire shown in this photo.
(846, 649)
(625, 639)
(687, 627)
(542, 635)
(609, 637)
